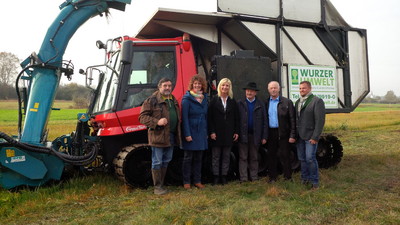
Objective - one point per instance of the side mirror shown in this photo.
(93, 74)
(126, 52)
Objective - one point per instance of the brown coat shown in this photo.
(153, 109)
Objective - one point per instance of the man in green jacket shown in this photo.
(310, 120)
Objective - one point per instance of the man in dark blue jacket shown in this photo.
(253, 132)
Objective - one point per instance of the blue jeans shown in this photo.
(191, 165)
(160, 157)
(306, 152)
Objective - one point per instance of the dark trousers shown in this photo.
(278, 151)
(248, 159)
(191, 165)
(220, 160)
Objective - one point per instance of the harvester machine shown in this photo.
(256, 40)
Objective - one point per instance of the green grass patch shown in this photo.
(11, 115)
(61, 121)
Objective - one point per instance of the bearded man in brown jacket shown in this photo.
(160, 113)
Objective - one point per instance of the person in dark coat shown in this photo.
(223, 125)
(281, 132)
(253, 132)
(194, 129)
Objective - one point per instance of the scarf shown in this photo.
(302, 101)
(198, 96)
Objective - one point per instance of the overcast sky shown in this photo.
(24, 24)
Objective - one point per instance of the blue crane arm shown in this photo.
(46, 67)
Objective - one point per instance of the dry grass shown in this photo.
(361, 120)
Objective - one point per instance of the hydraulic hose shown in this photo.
(17, 87)
(19, 98)
(73, 160)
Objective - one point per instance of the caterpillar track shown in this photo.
(133, 165)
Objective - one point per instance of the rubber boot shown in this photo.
(163, 174)
(157, 181)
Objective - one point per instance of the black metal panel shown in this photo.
(241, 70)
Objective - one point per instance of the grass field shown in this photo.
(363, 189)
(61, 121)
(377, 107)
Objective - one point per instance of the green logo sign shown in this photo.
(295, 76)
(322, 78)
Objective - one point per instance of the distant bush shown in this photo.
(7, 92)
(80, 102)
(64, 92)
(71, 91)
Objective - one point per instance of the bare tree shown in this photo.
(8, 68)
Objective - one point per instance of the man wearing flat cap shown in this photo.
(252, 133)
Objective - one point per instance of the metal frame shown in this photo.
(334, 38)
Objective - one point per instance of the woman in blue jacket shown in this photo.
(194, 127)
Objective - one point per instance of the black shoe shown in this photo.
(254, 179)
(216, 180)
(288, 179)
(223, 180)
(315, 187)
(271, 181)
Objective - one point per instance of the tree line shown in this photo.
(79, 94)
(9, 68)
(389, 98)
